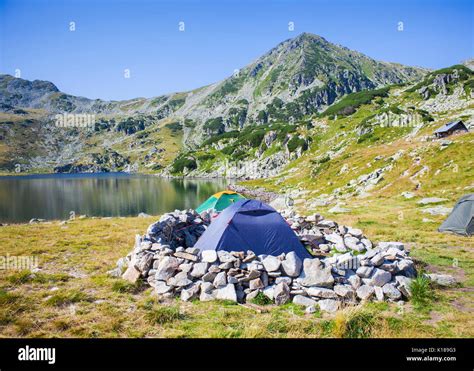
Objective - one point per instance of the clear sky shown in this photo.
(143, 36)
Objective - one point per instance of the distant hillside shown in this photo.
(294, 81)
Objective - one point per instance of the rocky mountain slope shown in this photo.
(295, 80)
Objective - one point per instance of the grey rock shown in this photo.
(285, 279)
(364, 271)
(314, 274)
(365, 292)
(321, 292)
(303, 300)
(391, 244)
(444, 280)
(226, 265)
(199, 269)
(328, 305)
(186, 267)
(380, 277)
(281, 293)
(256, 284)
(355, 232)
(220, 280)
(207, 296)
(345, 291)
(207, 287)
(166, 268)
(311, 309)
(161, 287)
(378, 293)
(377, 260)
(225, 256)
(209, 256)
(252, 295)
(271, 263)
(430, 200)
(292, 265)
(227, 293)
(391, 291)
(131, 274)
(232, 279)
(269, 291)
(192, 250)
(354, 280)
(253, 274)
(190, 293)
(180, 280)
(209, 277)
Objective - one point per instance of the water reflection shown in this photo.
(54, 196)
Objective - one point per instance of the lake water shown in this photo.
(54, 196)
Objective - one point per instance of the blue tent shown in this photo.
(251, 225)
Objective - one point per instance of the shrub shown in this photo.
(261, 299)
(296, 142)
(349, 103)
(174, 127)
(164, 314)
(421, 292)
(354, 323)
(214, 125)
(64, 298)
(123, 286)
(183, 162)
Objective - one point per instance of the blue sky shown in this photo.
(220, 36)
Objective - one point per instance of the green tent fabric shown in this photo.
(461, 219)
(219, 201)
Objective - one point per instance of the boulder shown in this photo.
(328, 305)
(365, 292)
(344, 291)
(161, 287)
(285, 279)
(220, 280)
(225, 256)
(292, 264)
(207, 287)
(271, 263)
(209, 277)
(380, 277)
(269, 291)
(166, 268)
(131, 274)
(199, 269)
(377, 259)
(444, 280)
(256, 284)
(303, 300)
(354, 280)
(403, 285)
(364, 271)
(321, 292)
(314, 274)
(390, 244)
(180, 280)
(190, 293)
(391, 291)
(209, 256)
(227, 293)
(281, 293)
(378, 293)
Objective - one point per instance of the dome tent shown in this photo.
(251, 225)
(219, 201)
(461, 219)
